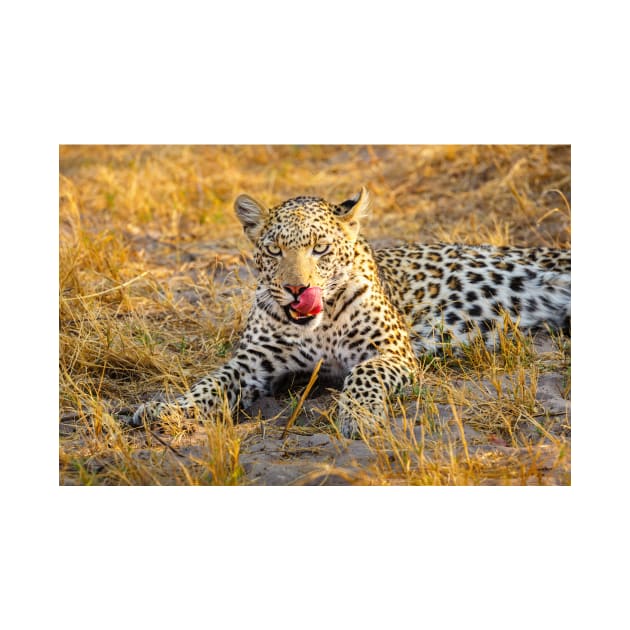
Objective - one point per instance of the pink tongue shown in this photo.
(309, 302)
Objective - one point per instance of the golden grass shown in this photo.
(154, 286)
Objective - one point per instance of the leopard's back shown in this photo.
(448, 292)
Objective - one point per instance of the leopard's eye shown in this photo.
(274, 250)
(321, 248)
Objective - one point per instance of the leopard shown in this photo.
(367, 317)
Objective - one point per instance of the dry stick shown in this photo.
(305, 393)
(120, 286)
(165, 443)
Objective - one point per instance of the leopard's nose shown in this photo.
(295, 289)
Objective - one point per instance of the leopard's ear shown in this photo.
(353, 210)
(251, 214)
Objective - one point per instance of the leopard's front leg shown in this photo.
(240, 380)
(363, 401)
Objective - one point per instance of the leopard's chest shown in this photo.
(339, 350)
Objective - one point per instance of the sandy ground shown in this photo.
(304, 459)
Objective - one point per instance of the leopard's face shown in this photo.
(304, 252)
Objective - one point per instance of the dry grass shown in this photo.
(154, 286)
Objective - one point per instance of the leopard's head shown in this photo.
(304, 252)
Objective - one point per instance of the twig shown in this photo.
(120, 286)
(305, 393)
(315, 450)
(164, 443)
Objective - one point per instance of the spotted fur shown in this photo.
(380, 309)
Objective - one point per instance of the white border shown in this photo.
(273, 72)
